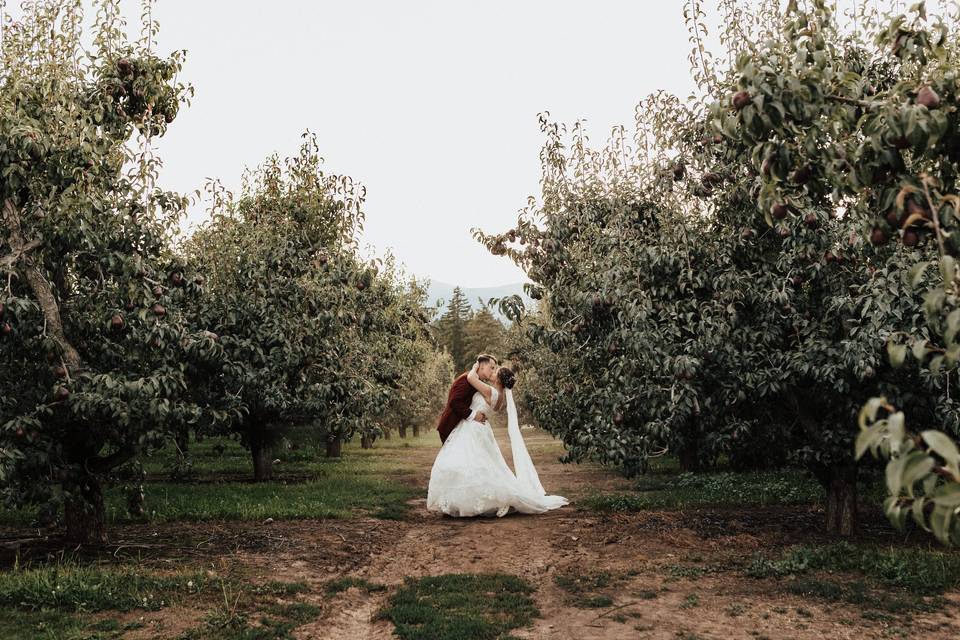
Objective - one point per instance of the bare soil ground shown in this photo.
(639, 554)
(636, 550)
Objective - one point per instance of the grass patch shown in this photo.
(584, 582)
(919, 572)
(374, 483)
(858, 593)
(691, 601)
(342, 584)
(599, 601)
(45, 625)
(583, 588)
(460, 607)
(304, 456)
(897, 581)
(677, 571)
(60, 602)
(240, 627)
(91, 588)
(334, 497)
(725, 488)
(665, 487)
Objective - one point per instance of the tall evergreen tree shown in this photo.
(452, 330)
(484, 333)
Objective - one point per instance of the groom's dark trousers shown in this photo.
(458, 406)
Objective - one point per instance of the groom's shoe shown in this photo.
(502, 511)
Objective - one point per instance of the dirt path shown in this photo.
(651, 559)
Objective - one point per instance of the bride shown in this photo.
(470, 477)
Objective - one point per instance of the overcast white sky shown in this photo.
(431, 104)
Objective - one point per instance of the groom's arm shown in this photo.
(462, 395)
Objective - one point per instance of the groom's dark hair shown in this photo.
(486, 357)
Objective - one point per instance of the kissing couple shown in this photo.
(470, 476)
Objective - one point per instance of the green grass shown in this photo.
(342, 584)
(218, 457)
(667, 488)
(375, 483)
(676, 571)
(692, 600)
(70, 601)
(681, 490)
(45, 625)
(460, 607)
(919, 572)
(597, 601)
(333, 497)
(896, 580)
(583, 582)
(93, 588)
(277, 624)
(57, 601)
(586, 588)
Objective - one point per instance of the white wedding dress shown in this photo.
(470, 476)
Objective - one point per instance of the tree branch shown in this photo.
(852, 101)
(10, 259)
(40, 287)
(112, 461)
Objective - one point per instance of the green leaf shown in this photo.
(896, 430)
(916, 510)
(943, 446)
(915, 274)
(897, 353)
(866, 439)
(933, 301)
(919, 350)
(948, 269)
(948, 495)
(918, 465)
(868, 413)
(940, 521)
(953, 325)
(935, 364)
(894, 475)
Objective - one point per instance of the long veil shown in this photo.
(522, 464)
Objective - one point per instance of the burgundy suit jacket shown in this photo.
(458, 406)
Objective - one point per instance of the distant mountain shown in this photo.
(443, 291)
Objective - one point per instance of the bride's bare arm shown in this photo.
(480, 385)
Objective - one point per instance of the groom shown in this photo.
(460, 396)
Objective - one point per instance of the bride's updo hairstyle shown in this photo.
(507, 378)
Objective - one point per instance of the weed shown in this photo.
(460, 607)
(342, 584)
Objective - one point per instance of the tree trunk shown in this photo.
(386, 434)
(135, 501)
(402, 430)
(416, 431)
(47, 302)
(689, 456)
(183, 442)
(83, 512)
(262, 460)
(334, 448)
(840, 482)
(366, 442)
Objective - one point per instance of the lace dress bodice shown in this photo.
(480, 404)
